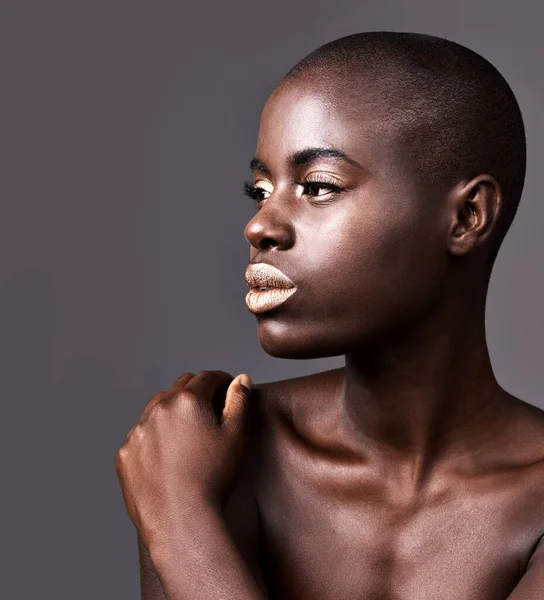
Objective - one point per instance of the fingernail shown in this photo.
(245, 381)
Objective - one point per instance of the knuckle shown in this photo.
(188, 404)
(156, 398)
(204, 375)
(121, 457)
(183, 376)
(137, 432)
(133, 435)
(189, 396)
(156, 412)
(127, 436)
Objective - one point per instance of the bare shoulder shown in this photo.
(522, 463)
(517, 458)
(295, 399)
(523, 431)
(272, 405)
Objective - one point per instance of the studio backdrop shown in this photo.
(127, 131)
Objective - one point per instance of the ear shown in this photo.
(475, 210)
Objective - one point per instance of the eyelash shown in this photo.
(252, 191)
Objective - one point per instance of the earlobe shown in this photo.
(476, 207)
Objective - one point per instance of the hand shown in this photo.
(181, 455)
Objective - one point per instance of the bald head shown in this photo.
(450, 111)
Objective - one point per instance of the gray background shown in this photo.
(127, 128)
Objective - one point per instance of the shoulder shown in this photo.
(517, 458)
(523, 428)
(295, 399)
(275, 407)
(522, 461)
(512, 449)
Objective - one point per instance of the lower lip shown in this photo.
(262, 301)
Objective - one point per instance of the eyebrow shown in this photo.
(305, 157)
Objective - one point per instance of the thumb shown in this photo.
(236, 403)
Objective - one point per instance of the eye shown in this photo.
(258, 190)
(320, 185)
(313, 188)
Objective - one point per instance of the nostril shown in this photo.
(266, 243)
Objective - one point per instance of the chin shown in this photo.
(282, 339)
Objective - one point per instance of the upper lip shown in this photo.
(264, 275)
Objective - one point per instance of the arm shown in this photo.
(176, 467)
(242, 521)
(198, 560)
(150, 584)
(531, 585)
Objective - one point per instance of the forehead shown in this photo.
(307, 114)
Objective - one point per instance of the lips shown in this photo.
(264, 275)
(269, 287)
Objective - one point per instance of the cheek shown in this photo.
(369, 265)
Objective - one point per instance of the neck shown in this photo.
(423, 397)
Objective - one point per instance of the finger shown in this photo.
(181, 380)
(203, 388)
(236, 404)
(128, 435)
(204, 384)
(147, 409)
(178, 384)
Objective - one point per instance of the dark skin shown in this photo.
(409, 474)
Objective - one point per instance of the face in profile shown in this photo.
(341, 214)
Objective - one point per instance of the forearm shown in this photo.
(198, 560)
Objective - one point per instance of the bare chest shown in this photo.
(467, 543)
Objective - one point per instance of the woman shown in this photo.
(389, 167)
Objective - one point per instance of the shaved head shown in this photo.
(450, 112)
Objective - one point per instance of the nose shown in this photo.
(270, 228)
